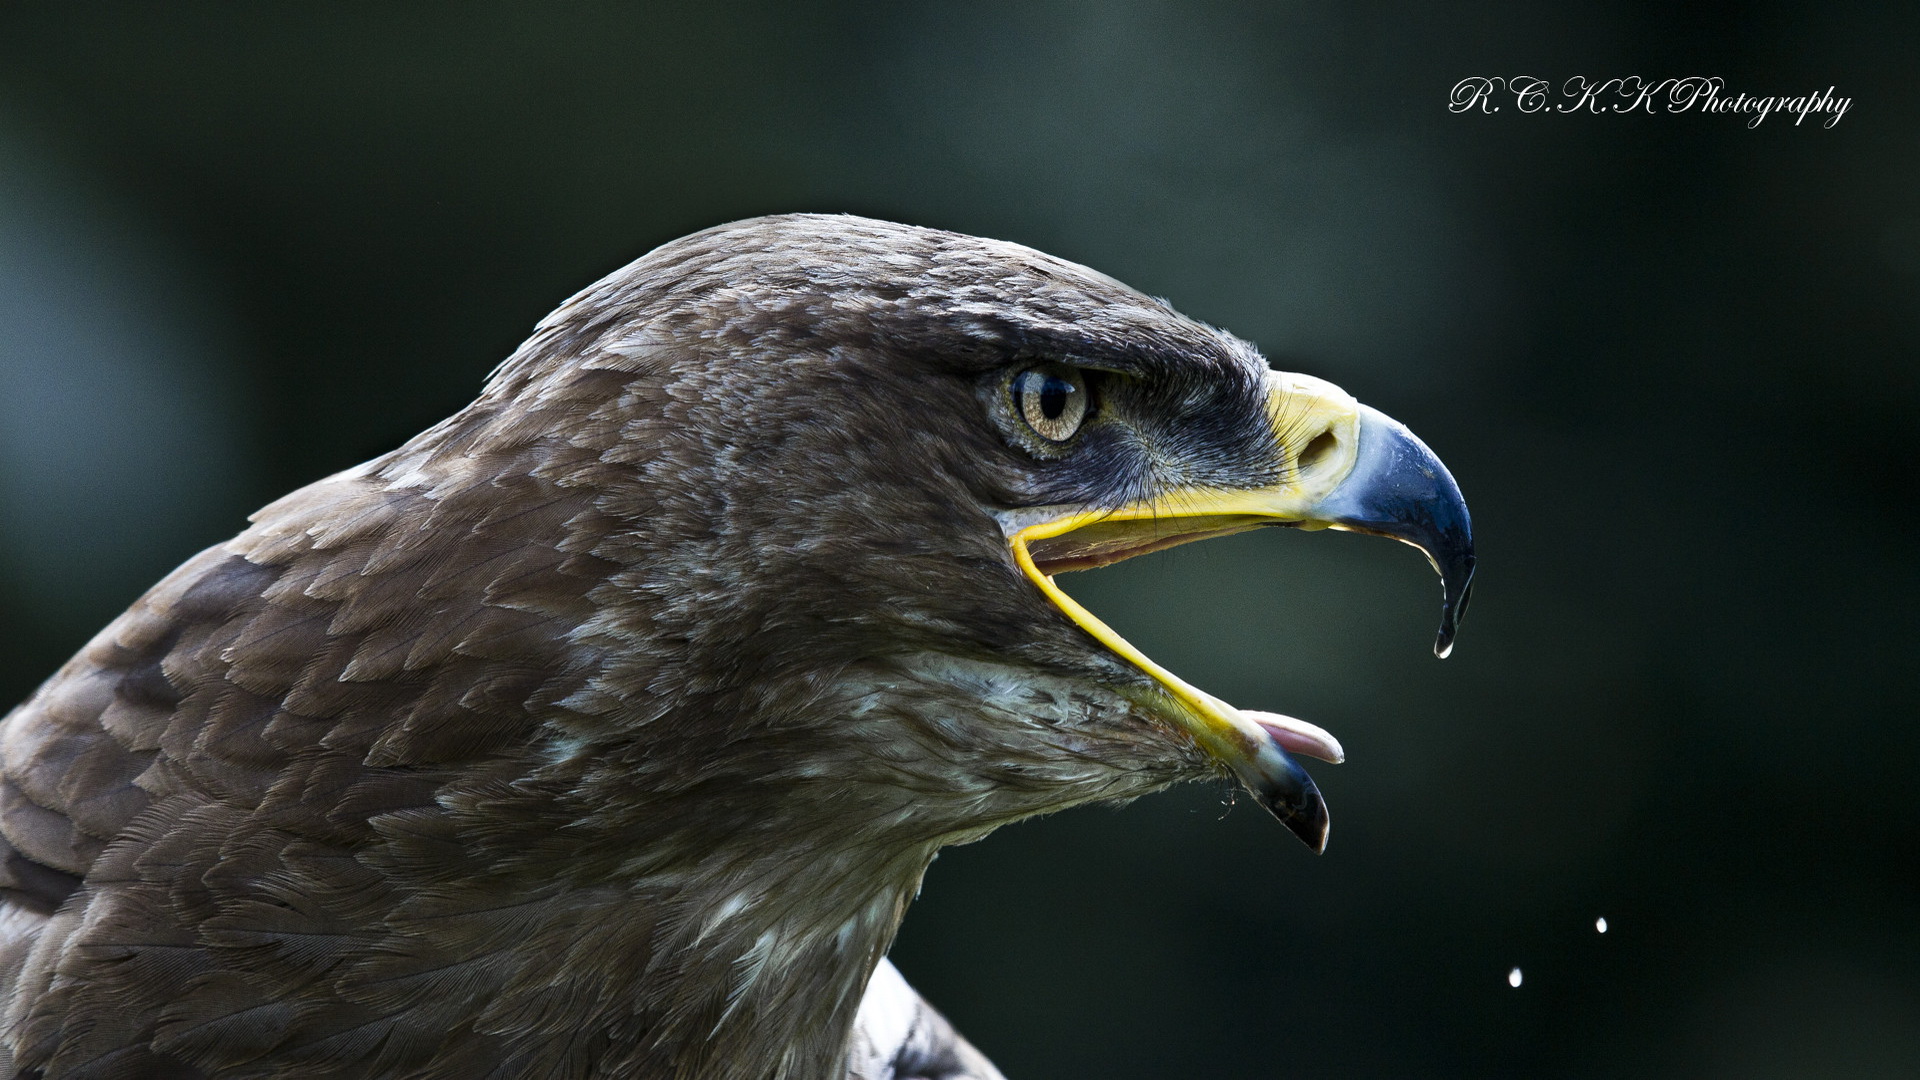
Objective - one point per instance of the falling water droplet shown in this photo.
(1513, 978)
(1600, 925)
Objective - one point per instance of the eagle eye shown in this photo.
(1052, 399)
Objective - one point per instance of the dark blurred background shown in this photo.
(1672, 360)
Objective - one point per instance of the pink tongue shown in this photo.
(1298, 736)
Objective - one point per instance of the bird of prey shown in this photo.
(606, 728)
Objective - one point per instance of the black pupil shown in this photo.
(1054, 392)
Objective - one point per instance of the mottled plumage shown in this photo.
(607, 728)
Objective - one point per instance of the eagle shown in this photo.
(607, 728)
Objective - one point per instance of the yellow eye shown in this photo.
(1052, 399)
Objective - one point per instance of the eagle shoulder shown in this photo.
(191, 800)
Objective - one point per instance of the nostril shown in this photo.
(1317, 450)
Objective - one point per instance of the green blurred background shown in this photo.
(1672, 361)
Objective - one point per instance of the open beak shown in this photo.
(1349, 467)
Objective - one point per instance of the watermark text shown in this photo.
(1634, 94)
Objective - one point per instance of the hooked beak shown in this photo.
(1349, 467)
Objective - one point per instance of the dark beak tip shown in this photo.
(1304, 813)
(1399, 488)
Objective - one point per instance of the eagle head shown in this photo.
(840, 463)
(609, 725)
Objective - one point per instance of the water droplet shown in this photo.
(1513, 978)
(1600, 925)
